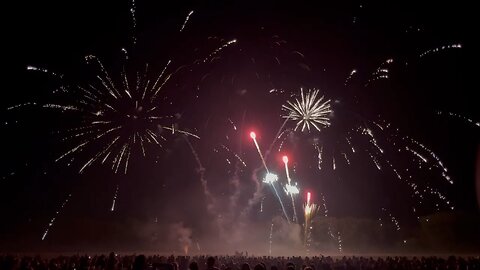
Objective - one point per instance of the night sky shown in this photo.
(282, 46)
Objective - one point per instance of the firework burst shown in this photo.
(351, 137)
(310, 210)
(311, 111)
(116, 116)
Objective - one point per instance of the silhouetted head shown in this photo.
(140, 263)
(193, 266)
(210, 262)
(259, 267)
(245, 266)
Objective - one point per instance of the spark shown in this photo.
(377, 164)
(99, 154)
(134, 21)
(368, 132)
(61, 107)
(346, 158)
(393, 219)
(270, 178)
(350, 144)
(281, 144)
(353, 72)
(219, 49)
(309, 111)
(173, 130)
(125, 52)
(116, 117)
(310, 210)
(339, 241)
(324, 203)
(233, 125)
(44, 70)
(261, 204)
(254, 138)
(270, 240)
(55, 216)
(320, 150)
(156, 81)
(416, 154)
(114, 199)
(285, 161)
(381, 72)
(235, 154)
(394, 170)
(21, 105)
(441, 48)
(434, 156)
(325, 213)
(290, 189)
(378, 125)
(464, 118)
(186, 20)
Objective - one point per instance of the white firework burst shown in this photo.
(113, 116)
(311, 110)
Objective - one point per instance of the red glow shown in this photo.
(253, 135)
(285, 159)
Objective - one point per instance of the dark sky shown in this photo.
(333, 37)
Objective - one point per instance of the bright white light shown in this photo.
(270, 178)
(310, 111)
(291, 189)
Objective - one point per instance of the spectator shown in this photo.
(211, 264)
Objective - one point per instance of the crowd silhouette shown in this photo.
(157, 262)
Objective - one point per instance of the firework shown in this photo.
(237, 156)
(377, 142)
(320, 159)
(117, 117)
(253, 135)
(133, 10)
(270, 240)
(55, 216)
(382, 72)
(217, 51)
(339, 241)
(270, 178)
(186, 20)
(310, 111)
(290, 189)
(461, 117)
(392, 218)
(310, 209)
(438, 49)
(346, 158)
(119, 113)
(353, 72)
(114, 199)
